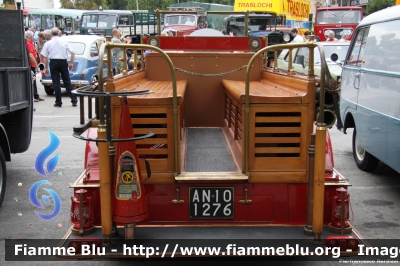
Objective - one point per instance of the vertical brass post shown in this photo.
(105, 186)
(319, 184)
(311, 152)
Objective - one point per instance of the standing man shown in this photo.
(57, 51)
(117, 52)
(32, 62)
(296, 37)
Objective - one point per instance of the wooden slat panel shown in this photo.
(156, 165)
(276, 140)
(268, 119)
(277, 130)
(277, 177)
(159, 178)
(149, 120)
(146, 110)
(152, 141)
(278, 164)
(239, 133)
(152, 151)
(141, 131)
(277, 150)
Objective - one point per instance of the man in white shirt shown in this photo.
(57, 50)
(296, 36)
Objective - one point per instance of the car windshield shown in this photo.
(78, 47)
(340, 50)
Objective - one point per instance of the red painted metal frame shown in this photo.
(188, 43)
(287, 202)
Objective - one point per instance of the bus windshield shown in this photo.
(99, 21)
(338, 16)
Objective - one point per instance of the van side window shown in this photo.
(357, 51)
(381, 52)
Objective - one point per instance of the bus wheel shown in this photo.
(49, 90)
(364, 160)
(2, 176)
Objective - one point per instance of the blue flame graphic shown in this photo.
(45, 153)
(35, 201)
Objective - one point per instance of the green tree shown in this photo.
(117, 4)
(377, 5)
(149, 5)
(82, 4)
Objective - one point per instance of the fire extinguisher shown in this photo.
(129, 201)
(340, 212)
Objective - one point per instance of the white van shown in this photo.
(370, 90)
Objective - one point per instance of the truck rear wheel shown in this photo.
(49, 90)
(364, 160)
(2, 176)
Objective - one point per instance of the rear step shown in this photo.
(211, 176)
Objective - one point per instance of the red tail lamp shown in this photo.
(81, 213)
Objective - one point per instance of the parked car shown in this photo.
(370, 95)
(84, 71)
(300, 59)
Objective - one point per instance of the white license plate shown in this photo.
(211, 202)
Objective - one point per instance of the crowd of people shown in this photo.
(306, 36)
(44, 45)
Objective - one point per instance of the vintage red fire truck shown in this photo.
(204, 140)
(339, 19)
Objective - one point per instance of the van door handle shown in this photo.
(356, 77)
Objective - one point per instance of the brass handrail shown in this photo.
(109, 45)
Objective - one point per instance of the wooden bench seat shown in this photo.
(264, 91)
(161, 92)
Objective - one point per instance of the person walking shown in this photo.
(32, 62)
(296, 37)
(117, 52)
(57, 50)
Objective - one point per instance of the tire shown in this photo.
(2, 176)
(364, 160)
(49, 90)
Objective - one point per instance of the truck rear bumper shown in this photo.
(231, 241)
